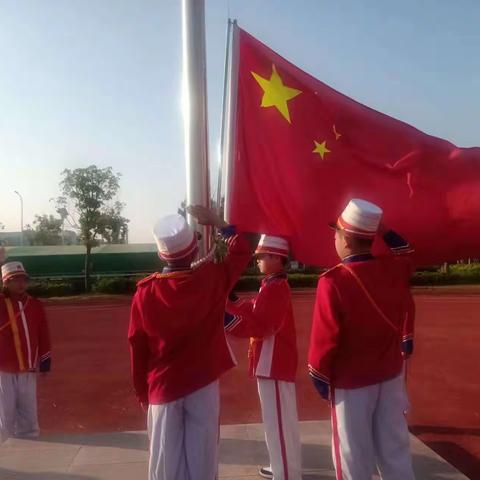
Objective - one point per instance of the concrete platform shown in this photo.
(123, 456)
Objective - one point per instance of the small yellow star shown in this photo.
(276, 93)
(321, 148)
(337, 135)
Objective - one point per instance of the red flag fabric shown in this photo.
(303, 150)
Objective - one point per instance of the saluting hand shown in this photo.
(206, 216)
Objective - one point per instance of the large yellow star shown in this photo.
(276, 93)
(321, 148)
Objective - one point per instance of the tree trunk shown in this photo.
(87, 267)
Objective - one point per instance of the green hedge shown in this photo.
(296, 280)
(65, 288)
(55, 288)
(454, 277)
(458, 274)
(115, 285)
(465, 268)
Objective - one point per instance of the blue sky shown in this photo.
(98, 82)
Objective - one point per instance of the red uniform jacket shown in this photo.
(24, 335)
(363, 312)
(176, 334)
(268, 320)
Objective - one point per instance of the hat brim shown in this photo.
(337, 227)
(258, 253)
(176, 257)
(13, 275)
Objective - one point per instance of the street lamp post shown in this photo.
(21, 215)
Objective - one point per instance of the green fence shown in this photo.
(69, 261)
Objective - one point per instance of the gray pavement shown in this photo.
(123, 456)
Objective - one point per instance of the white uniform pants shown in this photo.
(370, 432)
(184, 437)
(18, 405)
(280, 419)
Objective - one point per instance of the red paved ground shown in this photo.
(89, 389)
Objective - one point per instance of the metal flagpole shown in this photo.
(226, 85)
(194, 99)
(230, 118)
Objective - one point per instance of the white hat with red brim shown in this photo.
(174, 237)
(360, 218)
(13, 269)
(269, 244)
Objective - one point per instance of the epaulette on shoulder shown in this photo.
(328, 272)
(169, 275)
(146, 280)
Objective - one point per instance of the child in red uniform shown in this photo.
(363, 319)
(179, 349)
(268, 320)
(24, 348)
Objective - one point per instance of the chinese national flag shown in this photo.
(304, 150)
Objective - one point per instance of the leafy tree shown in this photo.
(114, 226)
(90, 191)
(48, 230)
(28, 235)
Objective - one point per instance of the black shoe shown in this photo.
(266, 472)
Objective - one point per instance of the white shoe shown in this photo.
(266, 472)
